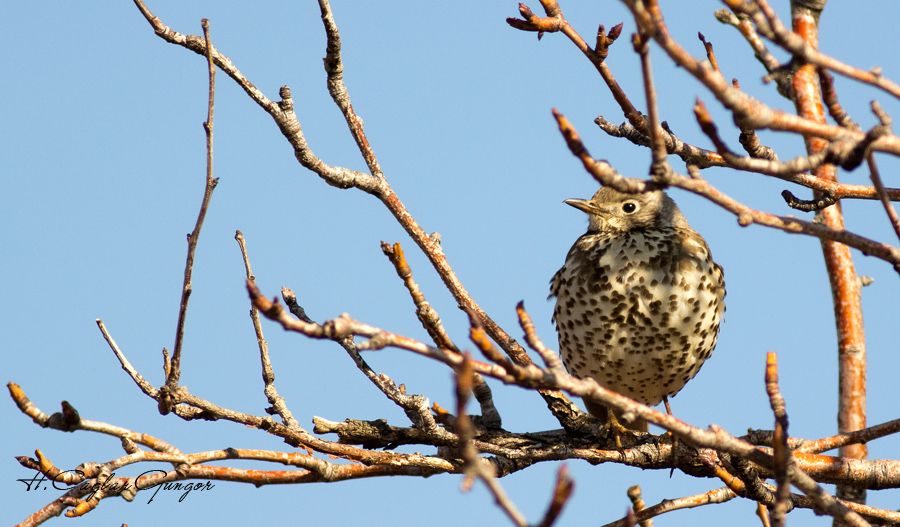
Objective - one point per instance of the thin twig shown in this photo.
(830, 97)
(138, 379)
(430, 245)
(480, 338)
(840, 152)
(860, 436)
(674, 145)
(431, 321)
(602, 171)
(414, 406)
(334, 67)
(551, 358)
(750, 140)
(57, 421)
(562, 491)
(475, 467)
(876, 177)
(763, 160)
(779, 443)
(282, 112)
(556, 22)
(710, 53)
(268, 373)
(466, 449)
(882, 193)
(637, 504)
(808, 205)
(659, 168)
(843, 152)
(428, 316)
(719, 495)
(186, 466)
(192, 239)
(742, 23)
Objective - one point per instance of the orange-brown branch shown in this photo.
(845, 286)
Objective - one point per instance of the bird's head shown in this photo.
(612, 211)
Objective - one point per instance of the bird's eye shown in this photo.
(628, 207)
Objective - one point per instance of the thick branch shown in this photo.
(845, 287)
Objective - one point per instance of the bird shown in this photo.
(639, 300)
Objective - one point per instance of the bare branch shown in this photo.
(138, 379)
(719, 495)
(842, 276)
(763, 513)
(830, 97)
(871, 474)
(550, 358)
(742, 23)
(427, 315)
(850, 438)
(750, 140)
(812, 205)
(710, 53)
(659, 167)
(779, 443)
(431, 321)
(602, 171)
(334, 67)
(174, 373)
(268, 373)
(674, 145)
(766, 18)
(562, 491)
(414, 406)
(748, 111)
(637, 504)
(475, 467)
(557, 22)
(282, 112)
(883, 193)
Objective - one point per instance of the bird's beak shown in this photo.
(584, 205)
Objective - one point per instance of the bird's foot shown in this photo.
(615, 430)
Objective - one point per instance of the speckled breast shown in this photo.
(639, 312)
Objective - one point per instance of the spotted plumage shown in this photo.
(639, 299)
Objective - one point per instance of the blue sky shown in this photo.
(103, 166)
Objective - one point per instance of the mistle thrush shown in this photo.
(639, 299)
